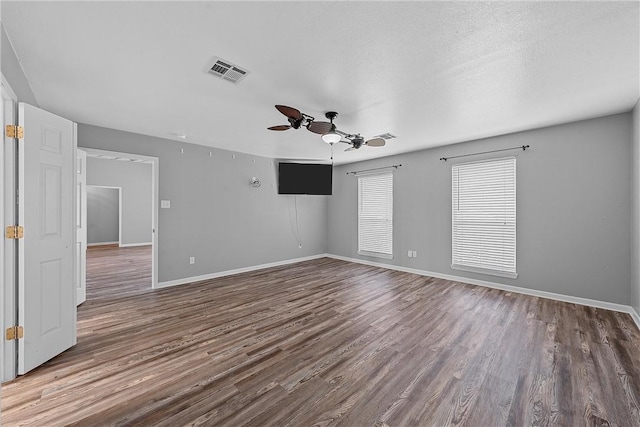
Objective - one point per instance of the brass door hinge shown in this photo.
(14, 333)
(14, 232)
(13, 131)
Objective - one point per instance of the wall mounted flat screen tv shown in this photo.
(305, 178)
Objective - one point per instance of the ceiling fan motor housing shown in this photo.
(295, 123)
(357, 142)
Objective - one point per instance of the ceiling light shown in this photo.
(331, 137)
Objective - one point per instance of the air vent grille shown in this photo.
(227, 70)
(385, 136)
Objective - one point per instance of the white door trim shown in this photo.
(81, 220)
(119, 242)
(155, 162)
(8, 349)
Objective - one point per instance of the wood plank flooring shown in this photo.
(324, 343)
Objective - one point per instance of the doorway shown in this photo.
(122, 211)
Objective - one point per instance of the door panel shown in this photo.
(46, 285)
(81, 226)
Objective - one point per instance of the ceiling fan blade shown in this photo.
(280, 127)
(376, 142)
(320, 127)
(350, 149)
(289, 112)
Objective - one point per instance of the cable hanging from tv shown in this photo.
(522, 147)
(375, 169)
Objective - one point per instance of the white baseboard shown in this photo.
(102, 243)
(532, 292)
(130, 245)
(235, 271)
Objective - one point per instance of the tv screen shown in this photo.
(305, 178)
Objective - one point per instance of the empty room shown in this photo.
(320, 213)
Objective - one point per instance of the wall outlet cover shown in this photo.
(165, 204)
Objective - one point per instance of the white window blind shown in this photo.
(484, 217)
(375, 214)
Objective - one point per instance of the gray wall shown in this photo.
(135, 181)
(103, 211)
(573, 208)
(215, 215)
(635, 198)
(12, 71)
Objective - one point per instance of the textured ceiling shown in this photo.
(432, 73)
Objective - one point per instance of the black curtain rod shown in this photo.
(375, 169)
(522, 147)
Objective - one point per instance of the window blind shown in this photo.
(484, 217)
(375, 214)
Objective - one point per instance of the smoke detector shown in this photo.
(227, 70)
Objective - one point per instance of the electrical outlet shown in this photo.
(410, 254)
(192, 260)
(415, 254)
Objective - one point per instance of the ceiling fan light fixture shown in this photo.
(331, 137)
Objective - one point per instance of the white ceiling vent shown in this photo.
(227, 70)
(385, 136)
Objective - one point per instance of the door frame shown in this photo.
(155, 161)
(119, 212)
(8, 248)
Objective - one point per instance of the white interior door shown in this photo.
(81, 225)
(46, 285)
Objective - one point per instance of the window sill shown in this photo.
(375, 254)
(484, 271)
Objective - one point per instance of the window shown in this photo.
(375, 215)
(484, 217)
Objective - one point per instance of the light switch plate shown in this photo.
(165, 204)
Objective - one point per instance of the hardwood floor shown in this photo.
(327, 342)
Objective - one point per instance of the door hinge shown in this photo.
(14, 232)
(13, 131)
(14, 333)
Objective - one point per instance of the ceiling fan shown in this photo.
(330, 134)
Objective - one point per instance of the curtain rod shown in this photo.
(522, 147)
(375, 169)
